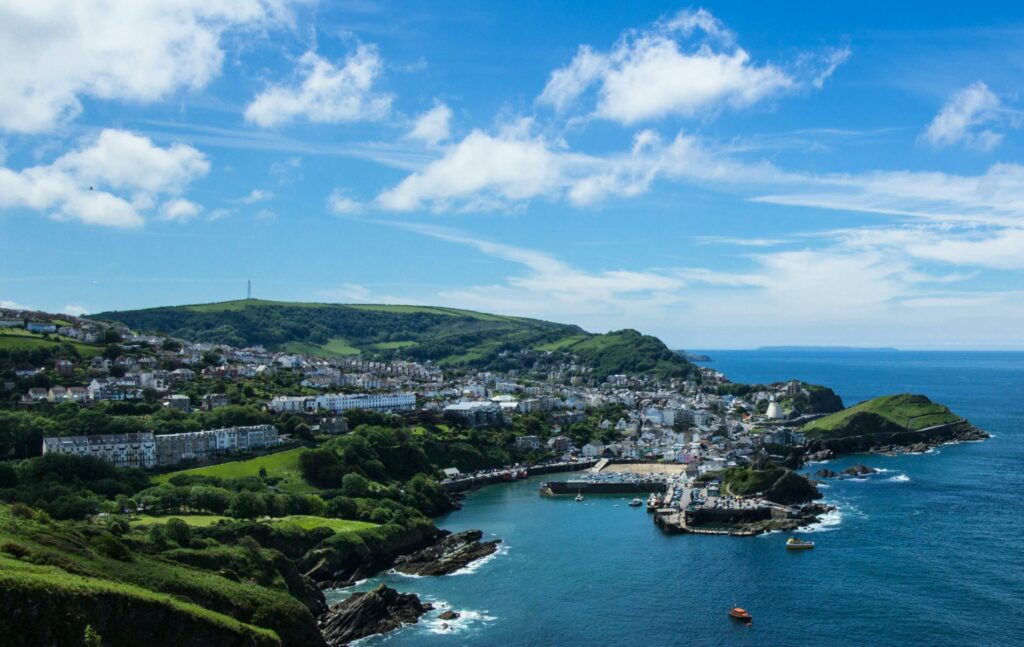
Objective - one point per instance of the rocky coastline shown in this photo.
(384, 609)
(374, 612)
(448, 555)
(888, 443)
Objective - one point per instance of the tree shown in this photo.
(178, 532)
(247, 505)
(355, 485)
(321, 467)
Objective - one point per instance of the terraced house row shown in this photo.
(144, 450)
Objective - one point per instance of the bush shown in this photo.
(15, 550)
(112, 547)
(178, 532)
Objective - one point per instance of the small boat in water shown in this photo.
(737, 613)
(636, 502)
(794, 543)
(579, 497)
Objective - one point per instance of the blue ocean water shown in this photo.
(928, 552)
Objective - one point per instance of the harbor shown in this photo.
(684, 505)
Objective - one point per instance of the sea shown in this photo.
(929, 551)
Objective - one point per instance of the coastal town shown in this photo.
(696, 424)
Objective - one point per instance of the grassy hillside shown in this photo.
(280, 465)
(447, 336)
(890, 413)
(60, 576)
(18, 338)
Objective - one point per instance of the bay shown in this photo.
(928, 552)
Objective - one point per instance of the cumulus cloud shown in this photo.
(961, 119)
(55, 52)
(432, 127)
(342, 204)
(179, 210)
(325, 93)
(685, 65)
(499, 170)
(110, 181)
(74, 310)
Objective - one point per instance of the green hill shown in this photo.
(887, 414)
(446, 336)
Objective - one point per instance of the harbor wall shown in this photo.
(605, 487)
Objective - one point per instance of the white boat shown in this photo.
(636, 502)
(579, 497)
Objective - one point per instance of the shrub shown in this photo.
(15, 550)
(112, 547)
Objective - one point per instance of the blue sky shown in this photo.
(723, 175)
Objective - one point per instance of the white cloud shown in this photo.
(256, 195)
(667, 69)
(484, 170)
(494, 171)
(551, 288)
(110, 181)
(325, 93)
(55, 52)
(341, 204)
(961, 118)
(993, 197)
(179, 210)
(14, 305)
(74, 310)
(432, 127)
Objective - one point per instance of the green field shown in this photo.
(392, 345)
(336, 346)
(453, 312)
(306, 522)
(283, 465)
(904, 411)
(19, 338)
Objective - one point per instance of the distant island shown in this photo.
(842, 349)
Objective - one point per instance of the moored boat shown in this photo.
(635, 502)
(579, 497)
(794, 543)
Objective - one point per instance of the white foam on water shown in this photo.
(411, 576)
(473, 566)
(899, 478)
(826, 523)
(823, 486)
(467, 621)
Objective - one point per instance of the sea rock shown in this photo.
(374, 612)
(448, 615)
(826, 473)
(859, 470)
(447, 555)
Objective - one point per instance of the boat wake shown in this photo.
(472, 567)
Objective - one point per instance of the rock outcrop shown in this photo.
(826, 473)
(447, 555)
(374, 612)
(859, 470)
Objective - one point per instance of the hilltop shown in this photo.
(891, 421)
(446, 336)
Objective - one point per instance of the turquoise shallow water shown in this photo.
(929, 552)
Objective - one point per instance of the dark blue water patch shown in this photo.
(927, 552)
